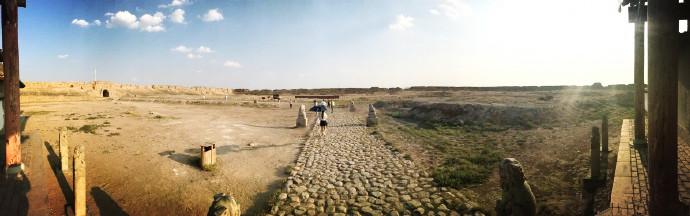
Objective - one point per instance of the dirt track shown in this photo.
(140, 160)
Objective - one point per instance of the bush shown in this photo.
(464, 169)
(89, 128)
(626, 100)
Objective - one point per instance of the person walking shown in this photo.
(323, 123)
(290, 104)
(332, 106)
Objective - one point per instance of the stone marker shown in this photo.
(516, 195)
(79, 166)
(372, 120)
(301, 117)
(208, 155)
(352, 106)
(64, 150)
(594, 157)
(224, 205)
(605, 134)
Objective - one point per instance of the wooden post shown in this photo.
(594, 160)
(10, 49)
(79, 166)
(663, 107)
(605, 133)
(64, 151)
(639, 82)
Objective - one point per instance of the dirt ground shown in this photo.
(555, 156)
(141, 158)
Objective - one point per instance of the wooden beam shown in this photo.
(684, 11)
(639, 83)
(10, 49)
(635, 13)
(20, 3)
(663, 38)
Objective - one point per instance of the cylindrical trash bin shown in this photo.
(208, 155)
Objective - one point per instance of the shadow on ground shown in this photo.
(106, 205)
(262, 201)
(54, 161)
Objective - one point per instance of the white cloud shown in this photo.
(62, 56)
(198, 71)
(175, 3)
(97, 22)
(212, 15)
(153, 23)
(401, 23)
(203, 49)
(147, 22)
(80, 22)
(177, 16)
(455, 8)
(434, 12)
(193, 56)
(181, 49)
(232, 64)
(122, 19)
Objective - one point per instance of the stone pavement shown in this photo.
(27, 193)
(630, 188)
(348, 171)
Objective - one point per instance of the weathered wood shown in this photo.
(79, 181)
(594, 158)
(639, 82)
(10, 49)
(663, 107)
(605, 133)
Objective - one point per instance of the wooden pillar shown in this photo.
(10, 49)
(605, 133)
(594, 157)
(639, 83)
(79, 181)
(663, 107)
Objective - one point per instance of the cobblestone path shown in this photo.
(349, 172)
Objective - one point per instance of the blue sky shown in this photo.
(327, 44)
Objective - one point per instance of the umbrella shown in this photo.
(319, 108)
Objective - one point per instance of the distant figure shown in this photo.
(332, 106)
(203, 97)
(316, 104)
(226, 97)
(323, 123)
(290, 104)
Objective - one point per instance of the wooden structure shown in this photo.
(10, 53)
(668, 56)
(318, 96)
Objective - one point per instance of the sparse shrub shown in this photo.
(471, 168)
(72, 128)
(626, 100)
(89, 128)
(546, 98)
(114, 134)
(158, 117)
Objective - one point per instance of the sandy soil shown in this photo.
(141, 160)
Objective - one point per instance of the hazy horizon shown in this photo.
(327, 44)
